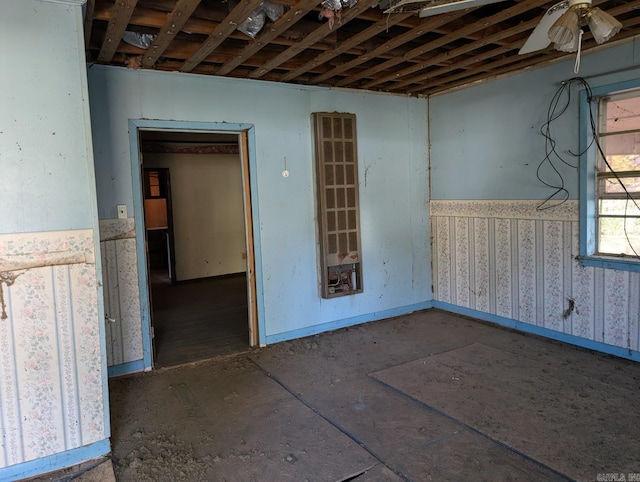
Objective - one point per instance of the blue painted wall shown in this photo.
(53, 381)
(44, 132)
(392, 145)
(495, 255)
(485, 140)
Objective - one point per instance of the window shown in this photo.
(610, 177)
(618, 174)
(338, 206)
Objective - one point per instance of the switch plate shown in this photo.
(122, 211)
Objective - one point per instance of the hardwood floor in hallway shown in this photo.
(199, 319)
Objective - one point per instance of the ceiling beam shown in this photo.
(88, 23)
(407, 36)
(156, 19)
(444, 40)
(238, 15)
(175, 21)
(315, 36)
(344, 47)
(452, 54)
(526, 61)
(268, 34)
(120, 15)
(456, 66)
(531, 24)
(182, 49)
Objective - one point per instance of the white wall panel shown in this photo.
(522, 265)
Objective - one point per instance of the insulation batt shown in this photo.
(254, 23)
(142, 40)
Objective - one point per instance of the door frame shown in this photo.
(171, 252)
(246, 143)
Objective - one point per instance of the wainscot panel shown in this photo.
(51, 379)
(121, 291)
(509, 259)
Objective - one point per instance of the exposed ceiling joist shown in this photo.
(402, 39)
(444, 40)
(120, 14)
(283, 23)
(452, 55)
(347, 45)
(312, 38)
(505, 65)
(175, 22)
(223, 30)
(399, 53)
(88, 21)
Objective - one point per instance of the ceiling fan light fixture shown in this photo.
(573, 45)
(603, 26)
(564, 29)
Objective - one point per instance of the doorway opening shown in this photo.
(196, 205)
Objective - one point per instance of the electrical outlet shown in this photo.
(122, 211)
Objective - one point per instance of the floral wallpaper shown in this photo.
(508, 259)
(51, 380)
(121, 291)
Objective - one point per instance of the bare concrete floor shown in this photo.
(427, 396)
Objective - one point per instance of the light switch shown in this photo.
(122, 211)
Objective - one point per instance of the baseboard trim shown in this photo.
(126, 368)
(541, 331)
(345, 322)
(53, 462)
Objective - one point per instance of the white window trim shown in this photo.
(587, 180)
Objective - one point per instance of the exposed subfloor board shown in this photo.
(328, 418)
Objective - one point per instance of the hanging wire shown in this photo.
(552, 156)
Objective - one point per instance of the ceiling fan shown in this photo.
(561, 24)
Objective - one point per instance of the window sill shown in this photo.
(624, 264)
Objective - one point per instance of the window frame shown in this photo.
(588, 181)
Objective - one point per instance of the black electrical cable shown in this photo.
(554, 112)
(552, 155)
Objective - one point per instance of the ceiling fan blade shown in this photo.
(539, 38)
(431, 10)
(428, 8)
